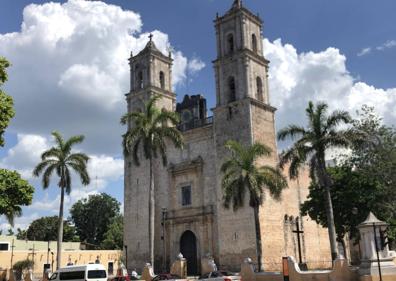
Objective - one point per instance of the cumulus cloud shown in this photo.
(26, 154)
(296, 78)
(195, 65)
(70, 69)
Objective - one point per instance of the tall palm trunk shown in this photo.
(331, 225)
(258, 238)
(325, 181)
(151, 214)
(60, 230)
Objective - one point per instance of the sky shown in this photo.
(70, 72)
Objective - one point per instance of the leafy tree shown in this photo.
(311, 145)
(61, 159)
(45, 229)
(6, 102)
(14, 193)
(241, 175)
(113, 238)
(10, 232)
(22, 266)
(92, 217)
(21, 234)
(151, 128)
(364, 180)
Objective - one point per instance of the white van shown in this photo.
(89, 272)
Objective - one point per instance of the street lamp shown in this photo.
(126, 256)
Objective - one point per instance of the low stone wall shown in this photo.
(340, 272)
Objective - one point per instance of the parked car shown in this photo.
(121, 278)
(94, 272)
(220, 275)
(166, 276)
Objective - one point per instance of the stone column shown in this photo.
(369, 261)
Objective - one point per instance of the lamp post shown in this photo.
(163, 218)
(126, 256)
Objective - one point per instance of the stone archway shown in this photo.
(188, 248)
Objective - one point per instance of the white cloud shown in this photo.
(25, 154)
(70, 70)
(296, 78)
(364, 51)
(387, 45)
(195, 65)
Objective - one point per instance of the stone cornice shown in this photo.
(153, 89)
(240, 53)
(250, 100)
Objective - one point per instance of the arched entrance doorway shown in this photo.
(188, 248)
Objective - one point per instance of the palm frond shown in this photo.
(291, 131)
(42, 165)
(47, 174)
(337, 117)
(58, 138)
(52, 152)
(72, 141)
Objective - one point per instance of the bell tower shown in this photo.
(243, 114)
(240, 68)
(150, 75)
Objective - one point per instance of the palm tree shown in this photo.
(311, 145)
(61, 160)
(151, 128)
(241, 174)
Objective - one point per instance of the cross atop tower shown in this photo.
(151, 37)
(237, 4)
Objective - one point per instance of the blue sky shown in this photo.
(69, 69)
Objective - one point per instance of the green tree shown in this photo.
(311, 145)
(364, 180)
(45, 229)
(151, 128)
(14, 193)
(61, 160)
(6, 102)
(93, 215)
(10, 232)
(113, 238)
(241, 175)
(21, 234)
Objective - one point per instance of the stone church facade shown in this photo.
(190, 217)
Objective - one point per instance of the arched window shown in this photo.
(231, 89)
(139, 80)
(259, 87)
(254, 43)
(230, 43)
(162, 79)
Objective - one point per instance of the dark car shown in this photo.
(121, 278)
(220, 275)
(165, 276)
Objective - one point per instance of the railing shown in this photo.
(196, 123)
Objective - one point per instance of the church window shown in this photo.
(254, 43)
(259, 86)
(4, 246)
(231, 89)
(162, 79)
(230, 43)
(186, 195)
(140, 80)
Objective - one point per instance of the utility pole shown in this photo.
(12, 252)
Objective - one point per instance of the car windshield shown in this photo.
(96, 274)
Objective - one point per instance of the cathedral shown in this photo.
(189, 213)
